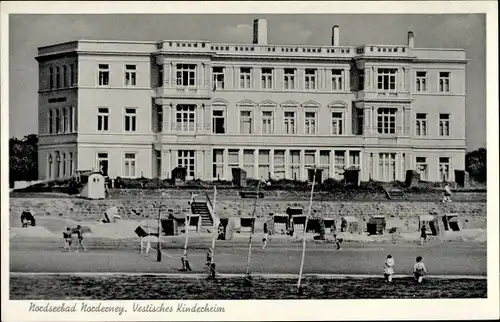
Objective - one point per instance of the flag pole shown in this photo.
(215, 228)
(305, 232)
(247, 272)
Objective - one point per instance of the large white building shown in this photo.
(134, 109)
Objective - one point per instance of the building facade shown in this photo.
(132, 109)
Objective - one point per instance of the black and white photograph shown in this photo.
(205, 156)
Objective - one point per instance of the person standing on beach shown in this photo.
(423, 235)
(389, 268)
(79, 234)
(67, 239)
(419, 270)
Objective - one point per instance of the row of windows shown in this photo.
(421, 125)
(129, 169)
(185, 121)
(129, 77)
(421, 81)
(267, 75)
(61, 120)
(60, 165)
(422, 167)
(284, 164)
(63, 77)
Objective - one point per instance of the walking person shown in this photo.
(419, 270)
(447, 193)
(337, 241)
(266, 236)
(67, 239)
(389, 268)
(79, 234)
(423, 235)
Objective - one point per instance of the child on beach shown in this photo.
(389, 268)
(67, 239)
(419, 270)
(423, 235)
(266, 236)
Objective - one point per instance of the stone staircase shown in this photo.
(204, 209)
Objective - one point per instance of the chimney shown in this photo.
(335, 36)
(411, 39)
(260, 31)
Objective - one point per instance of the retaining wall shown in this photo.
(471, 214)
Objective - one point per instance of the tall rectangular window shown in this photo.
(324, 162)
(233, 158)
(386, 120)
(444, 81)
(337, 123)
(130, 75)
(422, 168)
(294, 164)
(444, 124)
(309, 159)
(339, 164)
(421, 124)
(310, 123)
(186, 75)
(65, 76)
(310, 79)
(185, 118)
(337, 81)
(245, 77)
(130, 120)
(70, 164)
(387, 167)
(58, 121)
(290, 123)
(74, 75)
(51, 77)
(421, 82)
(289, 78)
(267, 78)
(103, 75)
(103, 119)
(218, 164)
(129, 167)
(51, 122)
(386, 79)
(264, 162)
(64, 164)
(246, 123)
(267, 122)
(185, 159)
(65, 120)
(354, 159)
(58, 77)
(248, 162)
(444, 168)
(218, 77)
(279, 164)
(218, 122)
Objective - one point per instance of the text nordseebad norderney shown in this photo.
(138, 308)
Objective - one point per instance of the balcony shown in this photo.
(384, 51)
(383, 96)
(183, 92)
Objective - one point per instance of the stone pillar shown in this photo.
(373, 127)
(346, 79)
(226, 176)
(256, 164)
(407, 120)
(288, 175)
(302, 168)
(240, 158)
(407, 78)
(271, 163)
(367, 120)
(375, 166)
(332, 163)
(299, 81)
(399, 122)
(256, 78)
(373, 79)
(207, 78)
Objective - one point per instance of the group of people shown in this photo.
(419, 269)
(68, 238)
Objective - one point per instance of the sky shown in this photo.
(28, 32)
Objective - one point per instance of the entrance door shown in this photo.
(102, 163)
